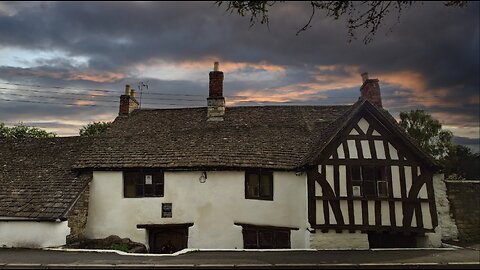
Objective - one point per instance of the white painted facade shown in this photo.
(33, 234)
(213, 207)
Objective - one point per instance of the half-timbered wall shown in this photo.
(408, 205)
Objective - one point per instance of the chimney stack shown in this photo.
(215, 100)
(128, 103)
(370, 90)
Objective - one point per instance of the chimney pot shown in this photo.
(128, 103)
(216, 82)
(216, 66)
(370, 90)
(364, 77)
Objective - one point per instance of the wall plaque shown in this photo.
(166, 210)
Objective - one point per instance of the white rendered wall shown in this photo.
(213, 207)
(32, 234)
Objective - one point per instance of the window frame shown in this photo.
(137, 180)
(260, 233)
(363, 182)
(259, 173)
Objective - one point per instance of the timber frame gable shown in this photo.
(368, 138)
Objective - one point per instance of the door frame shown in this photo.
(160, 227)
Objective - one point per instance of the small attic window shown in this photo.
(139, 184)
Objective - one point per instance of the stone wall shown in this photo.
(446, 229)
(464, 199)
(334, 240)
(77, 218)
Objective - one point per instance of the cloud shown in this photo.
(429, 60)
(473, 144)
(59, 73)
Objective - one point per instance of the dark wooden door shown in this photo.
(168, 240)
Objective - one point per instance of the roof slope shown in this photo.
(36, 178)
(275, 137)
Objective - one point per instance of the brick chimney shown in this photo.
(370, 90)
(128, 103)
(215, 100)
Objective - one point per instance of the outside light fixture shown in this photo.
(203, 177)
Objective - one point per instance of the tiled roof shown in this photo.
(36, 177)
(275, 137)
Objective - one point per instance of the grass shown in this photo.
(121, 247)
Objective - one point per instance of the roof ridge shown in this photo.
(247, 106)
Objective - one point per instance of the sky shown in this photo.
(65, 64)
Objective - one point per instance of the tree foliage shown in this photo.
(20, 132)
(461, 163)
(94, 129)
(366, 15)
(457, 161)
(427, 131)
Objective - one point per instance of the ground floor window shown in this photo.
(265, 237)
(391, 240)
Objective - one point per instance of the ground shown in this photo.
(408, 258)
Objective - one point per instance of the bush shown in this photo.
(121, 247)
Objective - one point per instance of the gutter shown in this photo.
(64, 214)
(7, 219)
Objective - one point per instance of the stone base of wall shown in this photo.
(447, 229)
(430, 240)
(77, 218)
(334, 240)
(464, 198)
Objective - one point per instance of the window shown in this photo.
(137, 184)
(259, 185)
(260, 238)
(369, 181)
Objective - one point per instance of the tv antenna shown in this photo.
(141, 86)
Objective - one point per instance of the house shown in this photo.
(343, 176)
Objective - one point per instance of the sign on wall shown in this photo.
(148, 179)
(166, 210)
(356, 191)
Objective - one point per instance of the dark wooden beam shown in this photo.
(372, 228)
(164, 226)
(265, 227)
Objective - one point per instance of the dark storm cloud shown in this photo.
(438, 43)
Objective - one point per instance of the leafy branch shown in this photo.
(366, 15)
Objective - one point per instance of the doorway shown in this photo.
(166, 238)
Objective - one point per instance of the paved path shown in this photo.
(460, 258)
